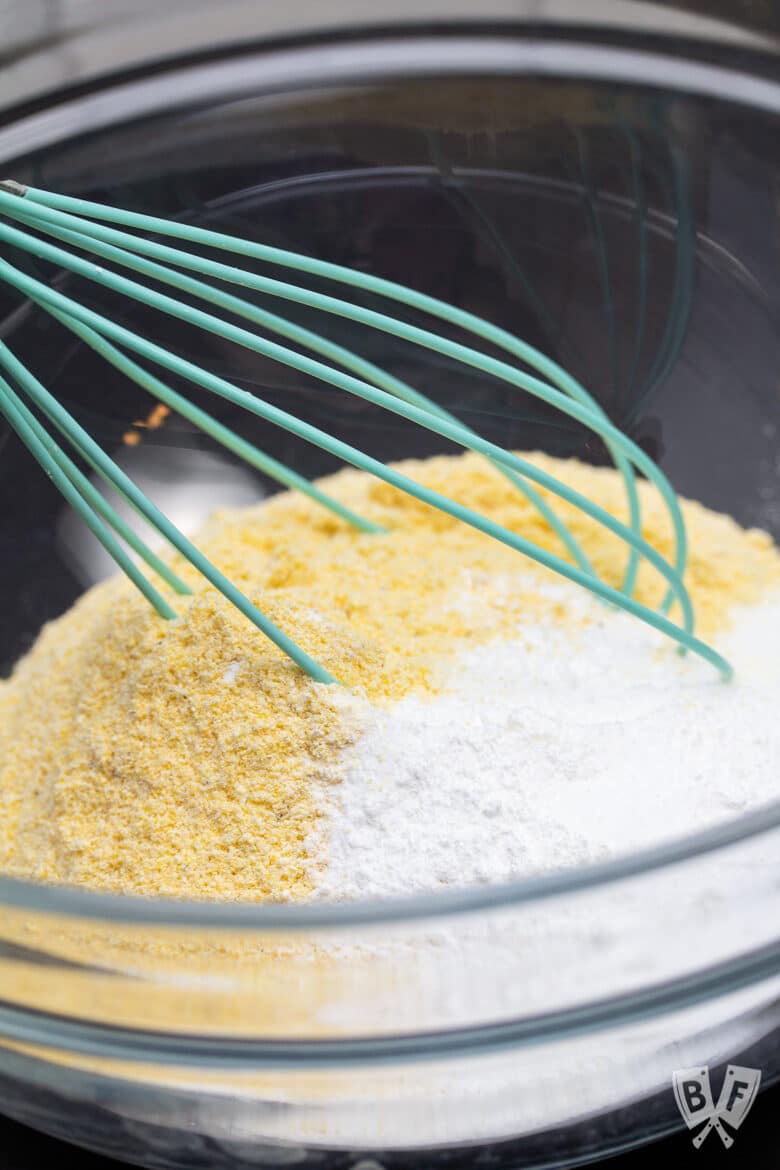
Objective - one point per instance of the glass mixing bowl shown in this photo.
(607, 193)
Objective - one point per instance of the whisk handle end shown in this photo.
(13, 188)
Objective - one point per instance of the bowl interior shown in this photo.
(625, 231)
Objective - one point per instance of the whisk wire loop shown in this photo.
(366, 370)
(39, 203)
(444, 427)
(53, 216)
(390, 475)
(452, 431)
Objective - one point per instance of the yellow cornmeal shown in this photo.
(185, 757)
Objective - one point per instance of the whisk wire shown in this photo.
(86, 501)
(68, 425)
(289, 422)
(216, 430)
(459, 193)
(396, 479)
(368, 371)
(364, 369)
(375, 386)
(43, 208)
(372, 394)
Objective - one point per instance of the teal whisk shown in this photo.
(121, 240)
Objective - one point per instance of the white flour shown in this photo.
(567, 746)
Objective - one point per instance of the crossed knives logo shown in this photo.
(693, 1095)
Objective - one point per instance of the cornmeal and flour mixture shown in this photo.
(494, 720)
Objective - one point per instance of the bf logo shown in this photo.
(694, 1100)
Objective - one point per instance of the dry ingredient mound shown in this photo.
(190, 757)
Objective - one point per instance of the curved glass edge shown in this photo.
(128, 35)
(77, 903)
(28, 1026)
(366, 61)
